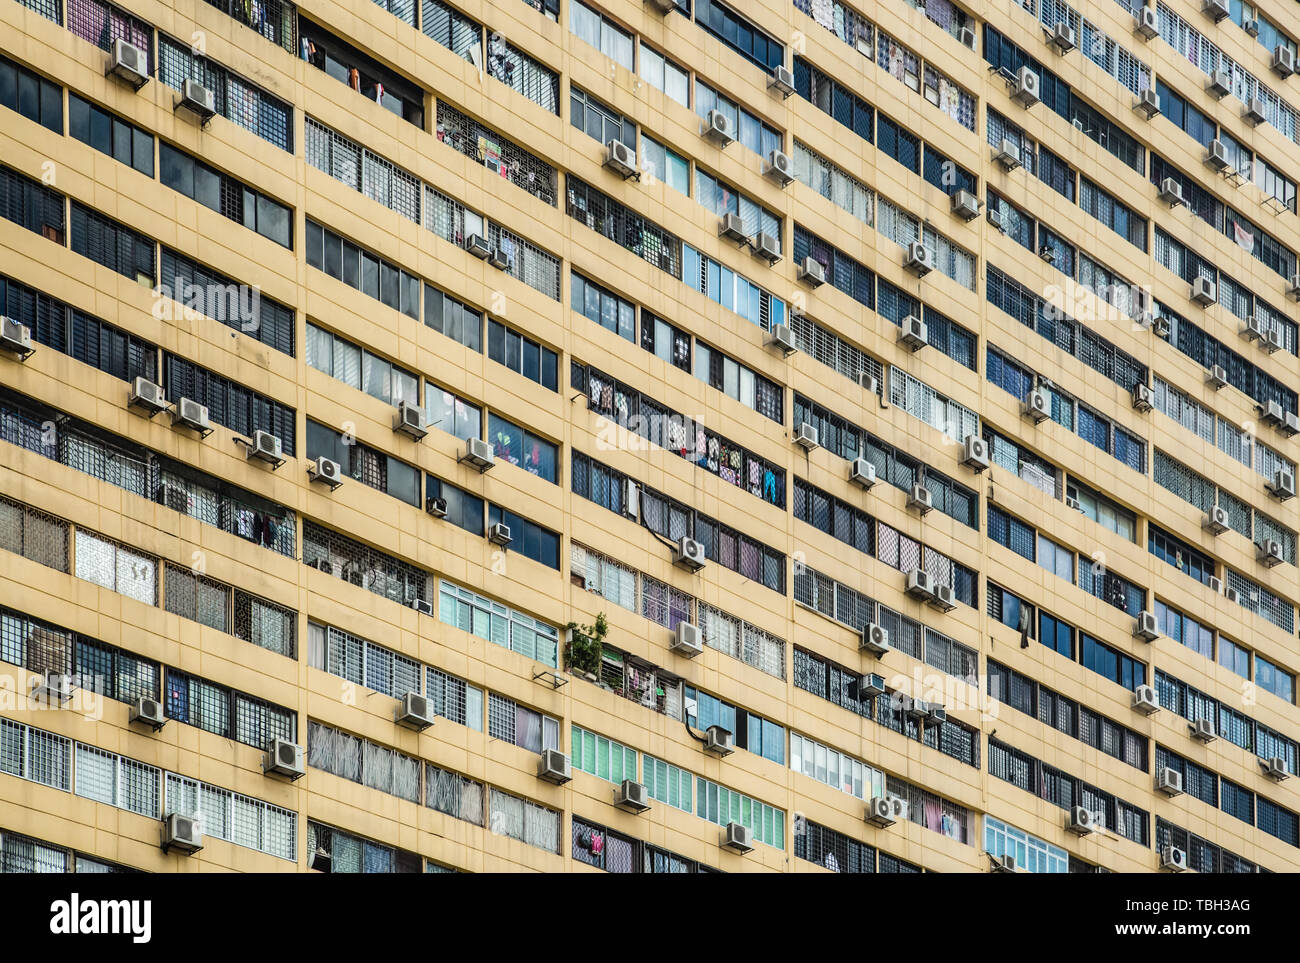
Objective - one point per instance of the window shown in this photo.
(485, 146)
(221, 192)
(239, 306)
(739, 34)
(604, 758)
(752, 132)
(328, 353)
(357, 268)
(454, 699)
(1112, 663)
(732, 290)
(346, 64)
(520, 72)
(662, 74)
(527, 537)
(521, 726)
(666, 164)
(598, 31)
(451, 413)
(361, 761)
(1274, 679)
(112, 245)
(91, 124)
(1030, 852)
(116, 567)
(229, 403)
(598, 121)
(31, 95)
(602, 306)
(731, 377)
(525, 821)
(463, 509)
(331, 850)
(365, 464)
(667, 342)
(1234, 657)
(497, 623)
(516, 446)
(522, 355)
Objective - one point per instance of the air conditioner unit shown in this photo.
(780, 336)
(738, 838)
(868, 383)
(632, 500)
(1146, 627)
(1147, 23)
(632, 797)
(1216, 10)
(1220, 84)
(913, 708)
(1251, 27)
(871, 685)
(321, 565)
(805, 436)
(880, 812)
(812, 273)
(964, 204)
(1160, 327)
(554, 766)
(499, 534)
(664, 6)
(1216, 156)
(51, 689)
(423, 606)
(779, 167)
(1148, 103)
(1146, 699)
(689, 554)
(1024, 90)
(1273, 413)
(733, 228)
(182, 833)
(148, 712)
(782, 80)
(283, 758)
(435, 506)
(1272, 342)
(994, 216)
(1081, 820)
(1253, 329)
(945, 599)
(1072, 502)
(191, 415)
(197, 100)
(1216, 520)
(1269, 551)
(874, 639)
(1293, 288)
(1274, 767)
(146, 396)
(966, 37)
(1254, 112)
(1282, 485)
(687, 640)
(719, 741)
(128, 62)
(327, 471)
(621, 159)
(766, 246)
(478, 246)
(16, 339)
(1171, 192)
(919, 260)
(413, 712)
(919, 497)
(1214, 583)
(409, 421)
(1290, 424)
(975, 453)
(919, 584)
(1174, 859)
(478, 454)
(1217, 378)
(862, 473)
(1232, 595)
(1283, 60)
(936, 713)
(1061, 37)
(498, 259)
(1204, 291)
(718, 128)
(1203, 730)
(1169, 781)
(913, 333)
(1005, 864)
(1007, 154)
(1142, 396)
(266, 447)
(1037, 406)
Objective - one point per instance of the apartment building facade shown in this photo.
(763, 437)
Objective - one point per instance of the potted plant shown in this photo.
(583, 648)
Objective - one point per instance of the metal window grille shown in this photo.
(276, 20)
(624, 226)
(102, 23)
(480, 143)
(33, 534)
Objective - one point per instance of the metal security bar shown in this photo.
(101, 23)
(523, 169)
(362, 565)
(276, 20)
(33, 534)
